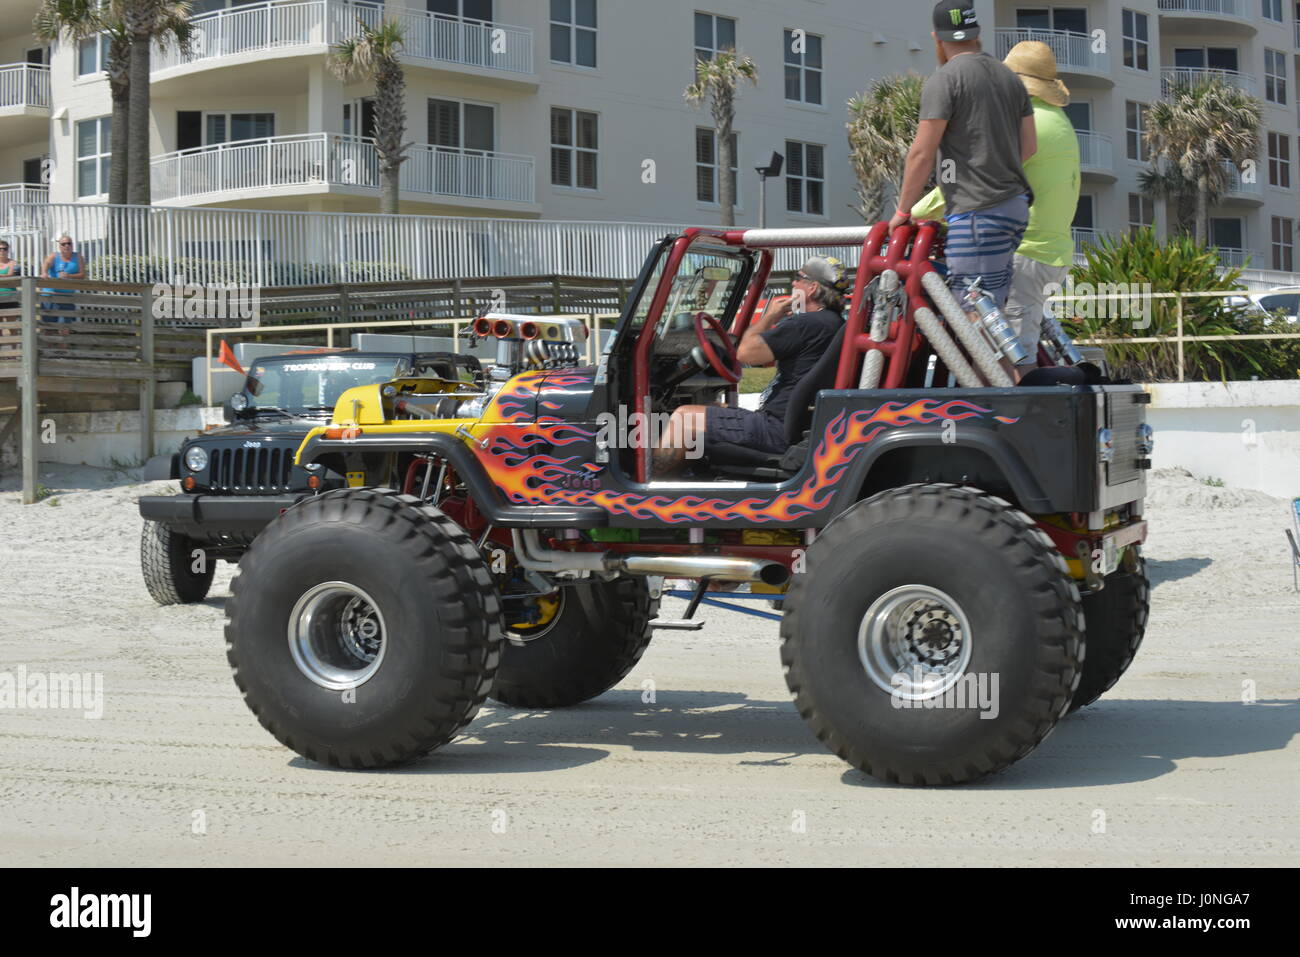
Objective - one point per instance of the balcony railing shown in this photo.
(11, 194)
(1230, 256)
(1239, 187)
(1083, 237)
(1172, 77)
(1074, 51)
(330, 159)
(277, 26)
(1095, 150)
(24, 84)
(1223, 8)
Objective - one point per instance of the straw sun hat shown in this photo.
(1035, 64)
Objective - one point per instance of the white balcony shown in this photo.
(1075, 52)
(11, 194)
(310, 27)
(1239, 188)
(1083, 237)
(1236, 16)
(329, 162)
(1230, 256)
(1095, 153)
(24, 87)
(1171, 77)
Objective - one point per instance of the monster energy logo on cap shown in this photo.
(955, 22)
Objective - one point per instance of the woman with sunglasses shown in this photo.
(64, 264)
(8, 294)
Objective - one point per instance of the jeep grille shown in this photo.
(251, 470)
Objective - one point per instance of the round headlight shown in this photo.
(196, 458)
(239, 402)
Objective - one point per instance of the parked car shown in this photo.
(236, 478)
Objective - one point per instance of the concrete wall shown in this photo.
(109, 439)
(1246, 434)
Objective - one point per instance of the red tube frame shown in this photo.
(899, 347)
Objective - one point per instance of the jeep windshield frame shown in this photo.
(312, 383)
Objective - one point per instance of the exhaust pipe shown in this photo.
(532, 555)
(703, 566)
(980, 352)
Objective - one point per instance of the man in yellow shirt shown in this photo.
(1043, 259)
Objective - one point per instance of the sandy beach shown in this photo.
(1191, 760)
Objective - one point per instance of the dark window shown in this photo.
(573, 32)
(803, 67)
(574, 148)
(805, 180)
(1136, 40)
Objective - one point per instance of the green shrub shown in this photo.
(1178, 264)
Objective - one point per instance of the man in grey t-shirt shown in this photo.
(976, 119)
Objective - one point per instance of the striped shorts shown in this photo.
(981, 244)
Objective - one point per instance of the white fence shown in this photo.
(1072, 50)
(331, 159)
(268, 249)
(13, 194)
(24, 84)
(260, 27)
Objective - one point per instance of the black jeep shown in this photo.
(236, 478)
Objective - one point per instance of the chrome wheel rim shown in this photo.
(524, 635)
(337, 636)
(914, 642)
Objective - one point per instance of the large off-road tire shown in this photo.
(167, 559)
(597, 637)
(1116, 620)
(364, 629)
(952, 579)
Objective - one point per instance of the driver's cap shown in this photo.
(828, 271)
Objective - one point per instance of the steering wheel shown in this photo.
(728, 364)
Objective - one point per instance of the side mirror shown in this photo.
(234, 406)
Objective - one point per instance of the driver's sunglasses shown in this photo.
(65, 244)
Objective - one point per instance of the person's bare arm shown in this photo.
(753, 350)
(45, 266)
(1028, 138)
(920, 163)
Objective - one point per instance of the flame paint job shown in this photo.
(547, 461)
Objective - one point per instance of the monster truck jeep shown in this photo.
(944, 545)
(236, 478)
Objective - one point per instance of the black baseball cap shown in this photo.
(954, 20)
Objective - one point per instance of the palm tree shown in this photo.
(75, 21)
(716, 80)
(373, 55)
(1166, 182)
(1198, 128)
(146, 23)
(882, 123)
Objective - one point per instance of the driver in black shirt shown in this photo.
(795, 340)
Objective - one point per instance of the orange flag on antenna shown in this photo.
(227, 358)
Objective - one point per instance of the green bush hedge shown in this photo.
(1176, 264)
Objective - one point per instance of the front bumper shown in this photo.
(211, 516)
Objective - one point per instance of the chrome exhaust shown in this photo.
(533, 555)
(718, 567)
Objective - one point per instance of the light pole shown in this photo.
(773, 168)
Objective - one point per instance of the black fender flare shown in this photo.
(487, 498)
(1019, 476)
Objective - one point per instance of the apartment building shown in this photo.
(573, 109)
